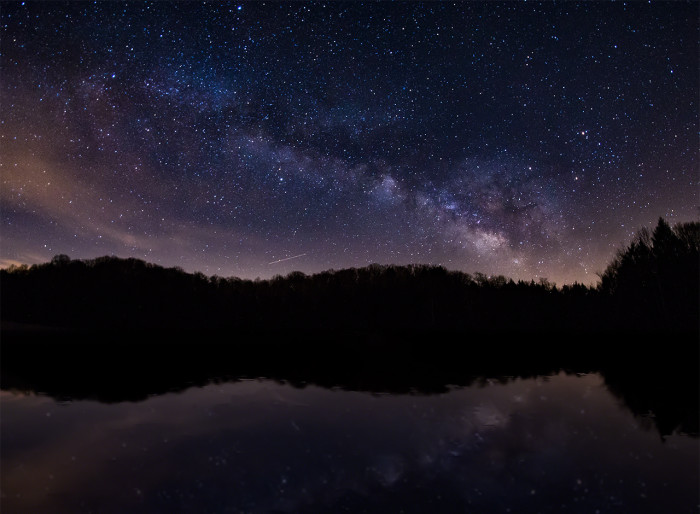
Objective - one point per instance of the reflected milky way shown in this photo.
(550, 444)
(254, 139)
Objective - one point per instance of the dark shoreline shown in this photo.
(120, 366)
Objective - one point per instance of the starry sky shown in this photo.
(252, 139)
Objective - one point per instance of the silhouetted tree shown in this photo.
(654, 281)
(60, 260)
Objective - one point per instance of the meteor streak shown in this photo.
(286, 259)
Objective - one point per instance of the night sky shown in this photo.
(253, 139)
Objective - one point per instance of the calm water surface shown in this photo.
(551, 444)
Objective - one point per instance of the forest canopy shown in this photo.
(651, 284)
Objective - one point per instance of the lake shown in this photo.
(559, 443)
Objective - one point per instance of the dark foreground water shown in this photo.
(561, 443)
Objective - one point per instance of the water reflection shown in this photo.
(548, 444)
(660, 388)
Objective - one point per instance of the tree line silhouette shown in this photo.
(651, 285)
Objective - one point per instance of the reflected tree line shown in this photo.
(662, 394)
(397, 329)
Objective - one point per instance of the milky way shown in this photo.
(255, 139)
